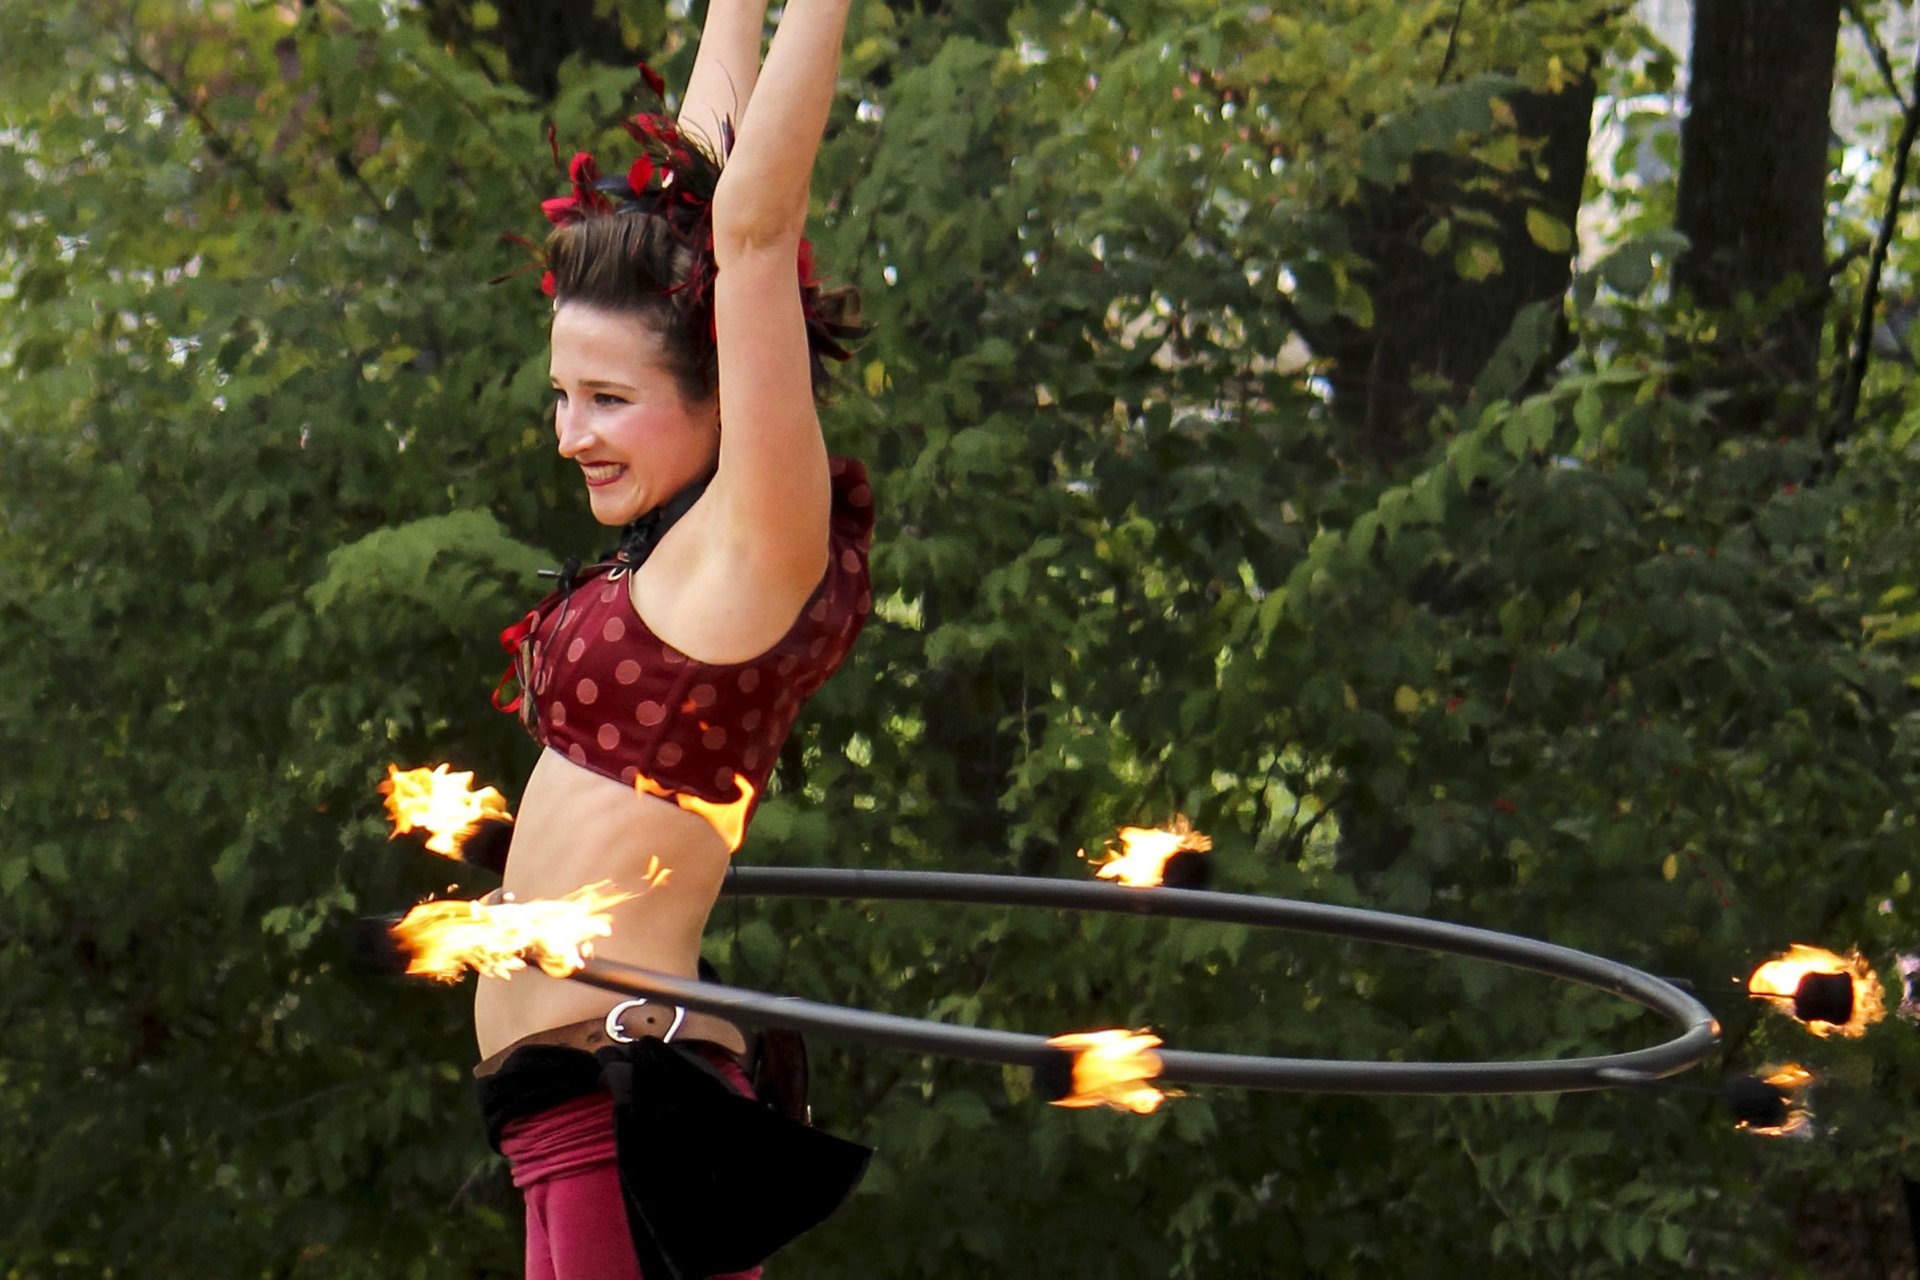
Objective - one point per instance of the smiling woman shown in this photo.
(622, 413)
(689, 342)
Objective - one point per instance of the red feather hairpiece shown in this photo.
(674, 178)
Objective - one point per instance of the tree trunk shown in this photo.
(1434, 330)
(535, 37)
(1753, 176)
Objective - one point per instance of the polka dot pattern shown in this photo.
(616, 699)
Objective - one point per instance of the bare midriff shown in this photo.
(576, 827)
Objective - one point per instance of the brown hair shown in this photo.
(635, 261)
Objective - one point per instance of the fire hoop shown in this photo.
(1248, 1071)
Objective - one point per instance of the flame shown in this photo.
(1791, 1076)
(442, 803)
(1798, 1124)
(1779, 979)
(497, 939)
(729, 820)
(1111, 1069)
(1792, 1080)
(1144, 851)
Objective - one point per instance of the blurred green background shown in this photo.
(1401, 437)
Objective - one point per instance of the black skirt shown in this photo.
(713, 1181)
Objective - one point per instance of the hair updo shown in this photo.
(631, 261)
(641, 242)
(635, 261)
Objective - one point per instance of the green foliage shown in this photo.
(1592, 666)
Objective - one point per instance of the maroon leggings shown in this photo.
(563, 1161)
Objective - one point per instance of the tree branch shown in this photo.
(1453, 41)
(1870, 295)
(1295, 844)
(222, 147)
(1877, 50)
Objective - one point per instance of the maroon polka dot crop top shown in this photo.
(600, 688)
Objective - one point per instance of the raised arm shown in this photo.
(725, 69)
(771, 487)
(763, 192)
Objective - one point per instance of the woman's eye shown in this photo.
(605, 399)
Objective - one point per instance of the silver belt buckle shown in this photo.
(615, 1034)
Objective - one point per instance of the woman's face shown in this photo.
(620, 415)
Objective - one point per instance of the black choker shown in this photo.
(639, 538)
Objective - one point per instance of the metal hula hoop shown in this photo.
(1249, 1071)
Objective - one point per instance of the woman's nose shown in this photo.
(572, 433)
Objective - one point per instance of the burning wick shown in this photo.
(444, 939)
(1109, 1069)
(441, 803)
(1827, 992)
(1772, 1105)
(729, 820)
(1173, 856)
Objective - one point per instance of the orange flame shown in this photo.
(1791, 1076)
(1779, 979)
(1141, 862)
(1111, 1069)
(728, 820)
(498, 939)
(1793, 1079)
(442, 803)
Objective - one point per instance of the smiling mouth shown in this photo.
(602, 474)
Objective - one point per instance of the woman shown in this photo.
(684, 379)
